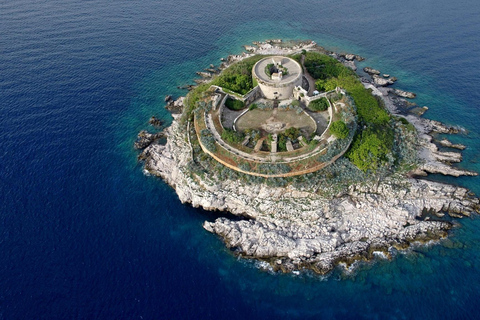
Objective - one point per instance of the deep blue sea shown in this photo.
(84, 234)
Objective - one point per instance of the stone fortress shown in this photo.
(277, 127)
(277, 76)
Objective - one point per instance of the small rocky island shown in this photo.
(317, 165)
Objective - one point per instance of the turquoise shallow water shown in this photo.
(84, 234)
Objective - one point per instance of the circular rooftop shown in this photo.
(294, 70)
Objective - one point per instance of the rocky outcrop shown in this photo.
(144, 139)
(344, 228)
(405, 94)
(350, 64)
(294, 229)
(351, 56)
(371, 71)
(380, 81)
(204, 74)
(175, 106)
(448, 144)
(250, 48)
(433, 160)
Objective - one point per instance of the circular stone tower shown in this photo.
(277, 76)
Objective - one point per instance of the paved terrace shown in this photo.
(294, 70)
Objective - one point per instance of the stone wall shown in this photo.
(281, 91)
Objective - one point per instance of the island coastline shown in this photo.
(294, 228)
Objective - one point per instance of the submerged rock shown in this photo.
(154, 121)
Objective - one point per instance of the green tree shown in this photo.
(339, 129)
(370, 149)
(319, 104)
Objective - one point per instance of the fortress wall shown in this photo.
(280, 175)
(253, 95)
(285, 91)
(220, 112)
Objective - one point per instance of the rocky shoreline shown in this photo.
(294, 228)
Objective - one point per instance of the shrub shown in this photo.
(245, 166)
(318, 105)
(282, 143)
(265, 106)
(234, 104)
(232, 136)
(273, 168)
(292, 133)
(192, 99)
(252, 106)
(254, 134)
(208, 140)
(339, 129)
(321, 66)
(370, 148)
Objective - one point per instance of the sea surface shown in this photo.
(84, 234)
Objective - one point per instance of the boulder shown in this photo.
(371, 71)
(144, 139)
(350, 56)
(350, 64)
(204, 74)
(379, 81)
(405, 94)
(448, 144)
(250, 48)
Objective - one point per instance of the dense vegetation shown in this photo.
(234, 104)
(192, 99)
(371, 146)
(339, 129)
(232, 136)
(238, 77)
(208, 140)
(318, 105)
